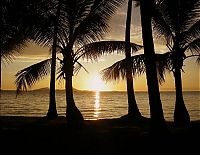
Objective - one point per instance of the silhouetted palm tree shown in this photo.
(52, 112)
(13, 37)
(117, 71)
(80, 22)
(179, 22)
(20, 22)
(156, 111)
(133, 111)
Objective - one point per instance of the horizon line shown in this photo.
(75, 89)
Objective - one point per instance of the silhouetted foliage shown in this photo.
(13, 35)
(79, 22)
(178, 23)
(156, 111)
(117, 71)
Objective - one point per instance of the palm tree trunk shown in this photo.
(52, 112)
(73, 115)
(133, 110)
(156, 111)
(181, 115)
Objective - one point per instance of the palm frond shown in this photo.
(117, 71)
(41, 29)
(61, 74)
(174, 16)
(194, 46)
(16, 25)
(191, 34)
(12, 45)
(28, 76)
(163, 64)
(96, 49)
(181, 13)
(91, 29)
(190, 13)
(92, 23)
(138, 64)
(161, 26)
(78, 67)
(198, 60)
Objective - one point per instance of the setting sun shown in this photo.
(96, 83)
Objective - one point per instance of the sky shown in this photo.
(92, 81)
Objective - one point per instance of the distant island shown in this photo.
(47, 89)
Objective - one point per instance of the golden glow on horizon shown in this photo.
(83, 81)
(96, 83)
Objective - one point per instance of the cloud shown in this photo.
(118, 24)
(33, 50)
(30, 59)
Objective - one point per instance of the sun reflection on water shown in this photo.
(97, 108)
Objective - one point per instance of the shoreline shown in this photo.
(106, 136)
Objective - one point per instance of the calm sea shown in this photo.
(93, 105)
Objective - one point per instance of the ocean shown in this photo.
(93, 105)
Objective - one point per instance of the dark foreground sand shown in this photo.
(35, 135)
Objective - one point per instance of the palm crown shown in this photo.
(179, 22)
(80, 22)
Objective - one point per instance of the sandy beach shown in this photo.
(108, 136)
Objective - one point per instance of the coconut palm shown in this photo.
(80, 22)
(156, 111)
(20, 22)
(13, 38)
(118, 72)
(133, 110)
(178, 21)
(52, 112)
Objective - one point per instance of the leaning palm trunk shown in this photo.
(133, 110)
(181, 115)
(157, 117)
(73, 115)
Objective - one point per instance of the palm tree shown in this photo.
(27, 77)
(179, 22)
(52, 112)
(80, 22)
(104, 47)
(13, 38)
(156, 111)
(20, 23)
(133, 111)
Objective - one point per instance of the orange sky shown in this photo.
(84, 81)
